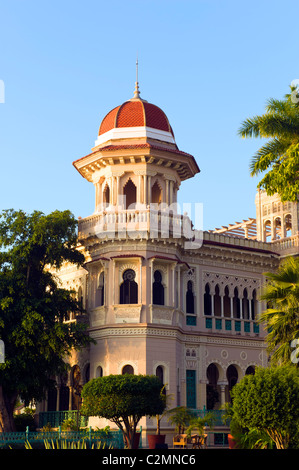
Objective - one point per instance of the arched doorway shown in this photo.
(212, 387)
(130, 194)
(127, 369)
(232, 379)
(156, 194)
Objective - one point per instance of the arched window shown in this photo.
(106, 195)
(267, 231)
(253, 305)
(288, 225)
(99, 371)
(189, 298)
(130, 194)
(207, 301)
(158, 289)
(277, 228)
(160, 374)
(128, 369)
(250, 370)
(217, 302)
(236, 304)
(226, 302)
(129, 288)
(156, 194)
(245, 305)
(80, 298)
(232, 376)
(100, 290)
(211, 388)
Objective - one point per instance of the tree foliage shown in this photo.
(269, 401)
(33, 307)
(281, 318)
(124, 400)
(279, 156)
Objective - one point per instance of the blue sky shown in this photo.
(208, 64)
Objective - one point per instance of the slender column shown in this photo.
(167, 192)
(179, 288)
(149, 187)
(70, 397)
(222, 394)
(212, 306)
(117, 190)
(171, 193)
(241, 308)
(249, 308)
(58, 398)
(145, 189)
(231, 307)
(222, 306)
(139, 190)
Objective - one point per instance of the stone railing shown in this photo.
(136, 223)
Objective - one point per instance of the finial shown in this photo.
(136, 91)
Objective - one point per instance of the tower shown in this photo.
(277, 222)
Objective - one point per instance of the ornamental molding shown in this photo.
(230, 281)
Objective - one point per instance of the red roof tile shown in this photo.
(134, 114)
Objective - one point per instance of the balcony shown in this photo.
(232, 326)
(139, 223)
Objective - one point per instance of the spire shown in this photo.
(136, 91)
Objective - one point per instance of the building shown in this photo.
(161, 297)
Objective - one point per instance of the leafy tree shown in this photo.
(268, 401)
(124, 400)
(32, 305)
(279, 157)
(282, 315)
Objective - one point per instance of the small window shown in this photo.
(160, 374)
(129, 288)
(189, 298)
(100, 290)
(207, 301)
(158, 289)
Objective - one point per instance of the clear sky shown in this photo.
(208, 64)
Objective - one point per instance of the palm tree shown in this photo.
(282, 315)
(199, 423)
(279, 157)
(180, 418)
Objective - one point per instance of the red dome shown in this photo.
(135, 113)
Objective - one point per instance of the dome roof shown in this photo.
(135, 113)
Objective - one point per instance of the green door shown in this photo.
(191, 388)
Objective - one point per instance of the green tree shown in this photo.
(282, 315)
(268, 401)
(124, 400)
(180, 417)
(279, 157)
(32, 305)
